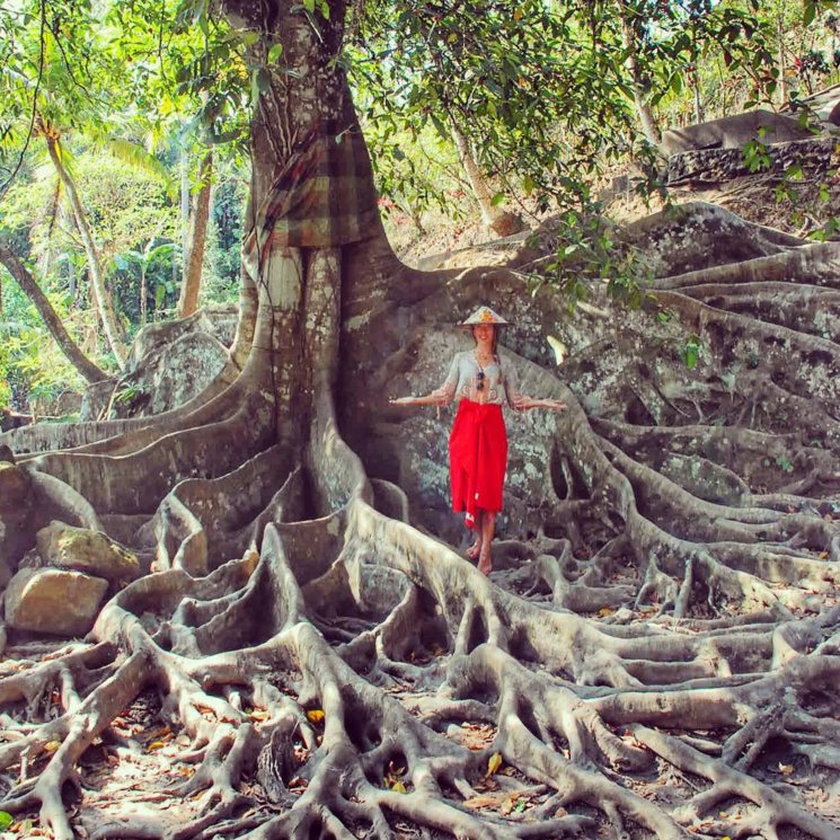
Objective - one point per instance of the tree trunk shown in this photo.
(780, 34)
(500, 221)
(195, 241)
(144, 296)
(296, 263)
(90, 371)
(102, 296)
(664, 604)
(643, 109)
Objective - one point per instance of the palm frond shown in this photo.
(135, 155)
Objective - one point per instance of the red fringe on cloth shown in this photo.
(477, 459)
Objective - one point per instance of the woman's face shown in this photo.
(483, 332)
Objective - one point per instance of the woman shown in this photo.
(481, 383)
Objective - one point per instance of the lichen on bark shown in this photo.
(661, 626)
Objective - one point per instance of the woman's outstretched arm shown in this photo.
(521, 402)
(440, 396)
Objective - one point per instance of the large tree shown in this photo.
(664, 605)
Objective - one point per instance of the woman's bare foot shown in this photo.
(474, 550)
(485, 563)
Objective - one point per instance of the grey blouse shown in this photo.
(499, 381)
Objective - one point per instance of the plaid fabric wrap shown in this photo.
(324, 198)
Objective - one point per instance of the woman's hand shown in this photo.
(435, 398)
(526, 403)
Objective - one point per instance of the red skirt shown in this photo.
(477, 459)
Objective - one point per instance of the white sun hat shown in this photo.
(485, 315)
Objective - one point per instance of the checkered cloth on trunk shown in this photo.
(324, 198)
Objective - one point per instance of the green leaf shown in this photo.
(6, 819)
(274, 53)
(260, 82)
(690, 352)
(497, 199)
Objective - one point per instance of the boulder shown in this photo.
(15, 487)
(702, 168)
(734, 132)
(55, 601)
(83, 550)
(168, 365)
(16, 500)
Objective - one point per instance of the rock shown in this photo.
(15, 487)
(702, 167)
(734, 131)
(14, 420)
(16, 500)
(56, 601)
(172, 362)
(31, 560)
(6, 454)
(81, 549)
(5, 570)
(507, 224)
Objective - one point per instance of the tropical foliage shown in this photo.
(548, 95)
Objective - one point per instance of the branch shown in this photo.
(88, 369)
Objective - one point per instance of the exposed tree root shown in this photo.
(658, 629)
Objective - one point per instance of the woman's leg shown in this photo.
(488, 527)
(474, 550)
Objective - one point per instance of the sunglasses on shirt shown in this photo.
(479, 385)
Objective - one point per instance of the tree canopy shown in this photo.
(271, 623)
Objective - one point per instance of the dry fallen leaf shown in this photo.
(503, 801)
(786, 769)
(485, 801)
(51, 746)
(315, 715)
(494, 763)
(155, 745)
